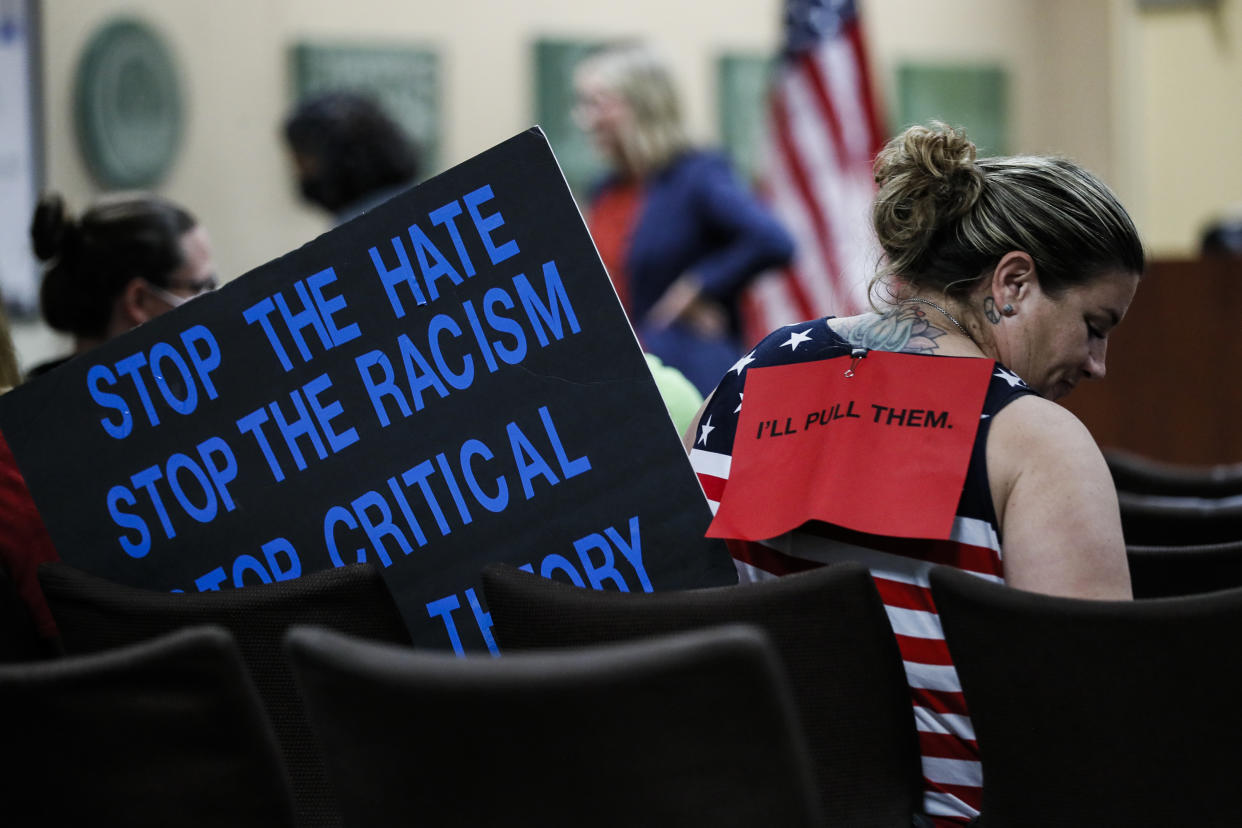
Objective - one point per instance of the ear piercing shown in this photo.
(1008, 310)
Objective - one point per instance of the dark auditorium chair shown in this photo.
(165, 732)
(19, 637)
(833, 638)
(690, 729)
(94, 614)
(1166, 571)
(1138, 474)
(1159, 520)
(1095, 713)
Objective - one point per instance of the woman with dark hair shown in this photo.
(128, 258)
(350, 156)
(1009, 271)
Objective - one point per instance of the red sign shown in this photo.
(884, 450)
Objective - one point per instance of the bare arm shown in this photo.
(1056, 503)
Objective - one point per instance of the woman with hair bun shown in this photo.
(127, 259)
(1027, 263)
(130, 257)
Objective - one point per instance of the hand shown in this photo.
(674, 302)
(706, 317)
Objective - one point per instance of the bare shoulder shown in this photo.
(1033, 437)
(1056, 503)
(1031, 421)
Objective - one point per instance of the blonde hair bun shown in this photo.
(926, 178)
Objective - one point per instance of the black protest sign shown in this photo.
(445, 381)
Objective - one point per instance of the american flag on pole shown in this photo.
(823, 133)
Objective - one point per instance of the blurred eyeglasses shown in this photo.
(176, 300)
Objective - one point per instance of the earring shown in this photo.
(1008, 310)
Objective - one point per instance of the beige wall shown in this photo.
(233, 54)
(1147, 100)
(1189, 130)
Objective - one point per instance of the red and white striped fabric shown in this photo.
(900, 566)
(824, 132)
(952, 773)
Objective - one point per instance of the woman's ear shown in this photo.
(1013, 280)
(136, 304)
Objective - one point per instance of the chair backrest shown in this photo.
(830, 631)
(19, 637)
(1143, 475)
(1167, 571)
(1098, 712)
(691, 729)
(165, 732)
(1158, 520)
(94, 614)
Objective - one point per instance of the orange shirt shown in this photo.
(611, 218)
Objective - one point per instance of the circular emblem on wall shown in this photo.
(128, 105)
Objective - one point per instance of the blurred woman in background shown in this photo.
(678, 232)
(128, 258)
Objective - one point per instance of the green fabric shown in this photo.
(680, 396)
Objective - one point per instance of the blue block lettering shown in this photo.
(205, 513)
(163, 352)
(146, 480)
(134, 548)
(252, 423)
(403, 504)
(530, 463)
(376, 520)
(131, 367)
(419, 375)
(454, 489)
(329, 306)
(442, 608)
(418, 475)
(569, 468)
(432, 262)
(485, 225)
(550, 312)
(382, 387)
(106, 399)
(272, 550)
(301, 425)
(204, 363)
(305, 318)
(211, 581)
(339, 515)
(221, 474)
(484, 620)
(261, 312)
(249, 563)
(631, 550)
(555, 562)
(444, 217)
(477, 329)
(492, 503)
(401, 274)
(503, 324)
(325, 414)
(606, 571)
(440, 323)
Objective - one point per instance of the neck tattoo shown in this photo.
(946, 314)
